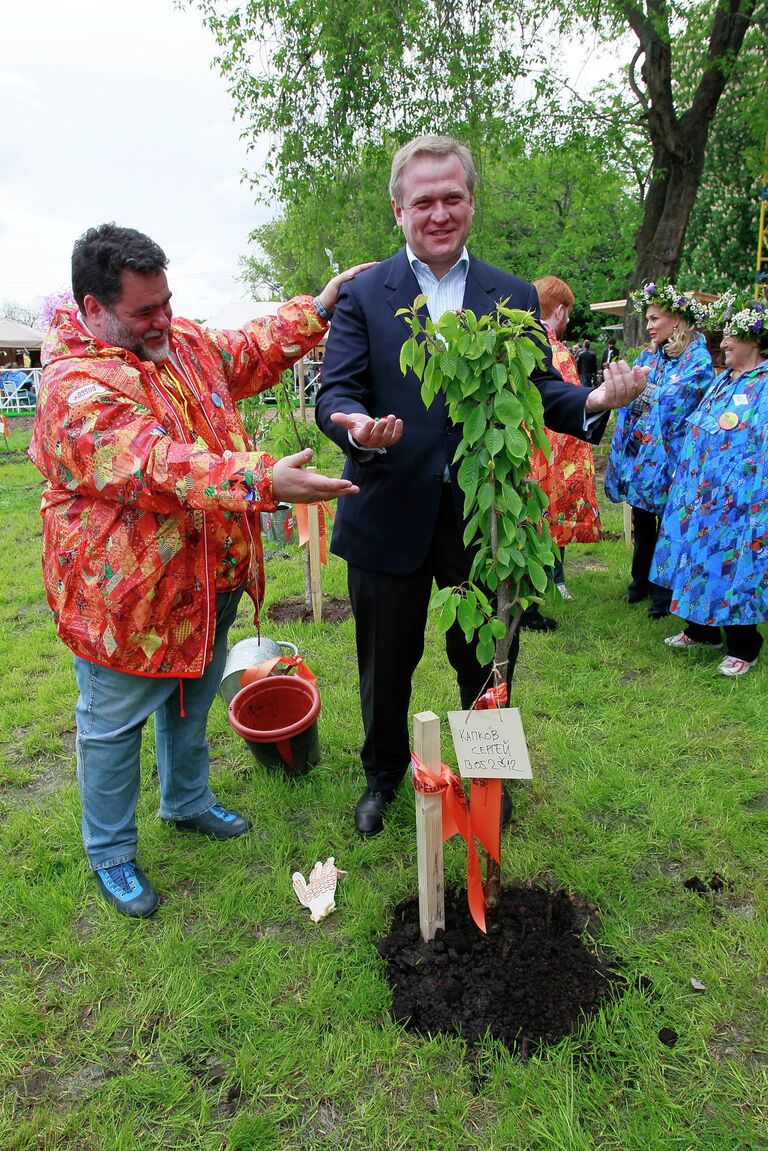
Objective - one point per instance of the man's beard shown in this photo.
(120, 336)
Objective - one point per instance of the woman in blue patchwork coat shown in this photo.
(649, 432)
(713, 545)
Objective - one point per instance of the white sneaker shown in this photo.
(733, 666)
(563, 591)
(683, 640)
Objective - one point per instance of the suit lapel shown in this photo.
(401, 285)
(481, 292)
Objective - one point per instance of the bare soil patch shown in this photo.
(528, 982)
(335, 610)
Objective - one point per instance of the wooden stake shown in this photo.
(429, 828)
(627, 526)
(313, 546)
(301, 372)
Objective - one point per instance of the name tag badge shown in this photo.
(84, 392)
(740, 400)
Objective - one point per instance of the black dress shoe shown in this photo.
(369, 813)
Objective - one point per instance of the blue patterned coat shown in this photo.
(649, 432)
(713, 544)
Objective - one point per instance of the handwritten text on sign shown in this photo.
(490, 744)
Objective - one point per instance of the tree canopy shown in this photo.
(337, 87)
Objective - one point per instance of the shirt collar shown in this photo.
(419, 266)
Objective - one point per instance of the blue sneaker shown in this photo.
(216, 823)
(127, 888)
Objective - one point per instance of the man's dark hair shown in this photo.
(99, 256)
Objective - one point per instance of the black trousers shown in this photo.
(390, 619)
(743, 641)
(645, 528)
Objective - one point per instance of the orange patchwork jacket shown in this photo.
(568, 476)
(138, 498)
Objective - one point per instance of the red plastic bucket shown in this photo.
(277, 718)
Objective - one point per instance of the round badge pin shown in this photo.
(728, 421)
(216, 399)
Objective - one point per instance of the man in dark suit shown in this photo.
(586, 365)
(609, 356)
(404, 529)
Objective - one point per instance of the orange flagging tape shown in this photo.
(302, 524)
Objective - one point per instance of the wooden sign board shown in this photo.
(490, 744)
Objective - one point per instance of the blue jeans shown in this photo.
(111, 712)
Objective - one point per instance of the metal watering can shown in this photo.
(249, 653)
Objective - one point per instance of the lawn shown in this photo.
(230, 1021)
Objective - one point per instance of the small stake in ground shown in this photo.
(627, 526)
(429, 828)
(313, 547)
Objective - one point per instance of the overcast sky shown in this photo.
(111, 111)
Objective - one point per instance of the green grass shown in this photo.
(230, 1021)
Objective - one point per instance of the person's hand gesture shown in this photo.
(621, 384)
(292, 483)
(369, 432)
(330, 292)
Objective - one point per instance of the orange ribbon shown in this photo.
(302, 523)
(480, 818)
(262, 670)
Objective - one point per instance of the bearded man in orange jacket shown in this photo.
(151, 528)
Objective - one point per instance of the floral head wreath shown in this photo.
(666, 297)
(739, 315)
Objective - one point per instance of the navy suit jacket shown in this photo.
(389, 525)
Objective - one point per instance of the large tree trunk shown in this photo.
(679, 140)
(659, 241)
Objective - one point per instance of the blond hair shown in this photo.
(430, 146)
(682, 334)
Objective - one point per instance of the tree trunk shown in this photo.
(659, 241)
(679, 139)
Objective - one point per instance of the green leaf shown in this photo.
(440, 597)
(485, 496)
(498, 628)
(507, 410)
(469, 476)
(471, 529)
(474, 426)
(537, 575)
(486, 648)
(494, 441)
(447, 616)
(448, 363)
(467, 615)
(406, 356)
(517, 442)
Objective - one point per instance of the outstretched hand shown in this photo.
(330, 292)
(621, 384)
(293, 484)
(369, 432)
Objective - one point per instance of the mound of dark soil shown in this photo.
(335, 609)
(528, 982)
